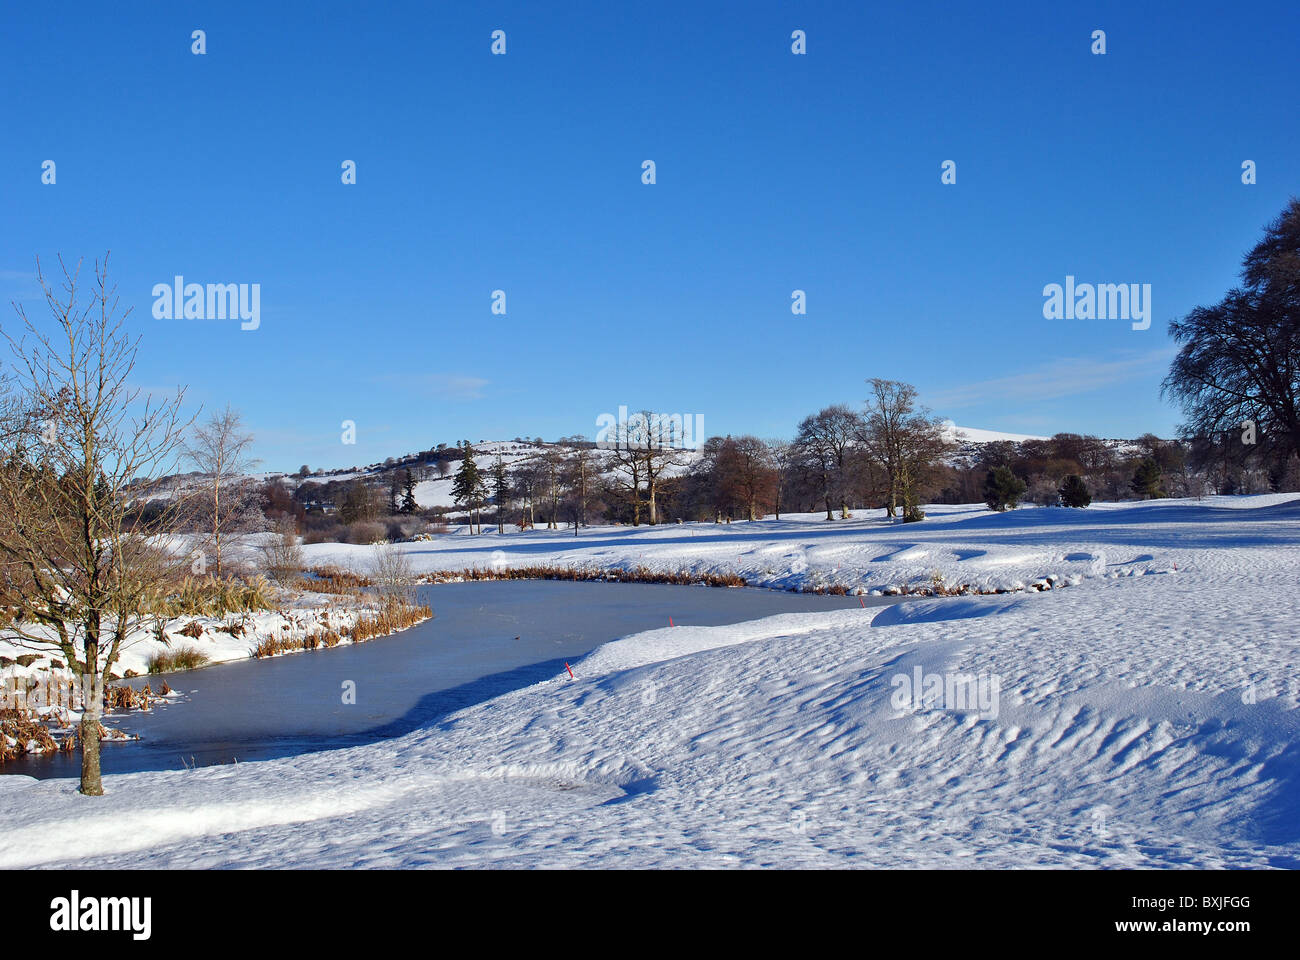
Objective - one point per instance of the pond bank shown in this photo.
(486, 638)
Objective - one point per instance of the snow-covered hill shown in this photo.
(976, 435)
(433, 490)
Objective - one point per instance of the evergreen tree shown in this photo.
(468, 486)
(394, 492)
(1147, 480)
(1002, 489)
(408, 493)
(1074, 492)
(500, 491)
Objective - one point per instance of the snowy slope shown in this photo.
(1143, 720)
(976, 435)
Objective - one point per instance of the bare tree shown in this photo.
(281, 554)
(392, 575)
(626, 475)
(220, 451)
(1239, 359)
(84, 562)
(526, 482)
(824, 439)
(551, 464)
(753, 474)
(715, 474)
(781, 458)
(647, 447)
(656, 462)
(578, 468)
(905, 438)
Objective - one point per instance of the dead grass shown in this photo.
(209, 597)
(333, 580)
(392, 615)
(937, 586)
(586, 574)
(16, 725)
(183, 657)
(128, 698)
(32, 734)
(391, 618)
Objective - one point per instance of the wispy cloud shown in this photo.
(19, 285)
(454, 386)
(1051, 381)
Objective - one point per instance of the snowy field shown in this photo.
(1144, 714)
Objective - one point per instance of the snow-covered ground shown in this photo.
(307, 613)
(1144, 716)
(966, 545)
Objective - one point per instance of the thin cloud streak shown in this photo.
(1052, 381)
(441, 384)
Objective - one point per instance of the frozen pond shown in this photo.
(485, 638)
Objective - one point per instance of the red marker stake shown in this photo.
(862, 603)
(670, 621)
(570, 669)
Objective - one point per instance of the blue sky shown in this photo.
(522, 172)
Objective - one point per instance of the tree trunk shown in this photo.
(92, 705)
(216, 532)
(91, 784)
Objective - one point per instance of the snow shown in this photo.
(976, 435)
(1147, 717)
(301, 614)
(966, 544)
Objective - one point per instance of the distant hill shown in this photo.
(433, 490)
(976, 435)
